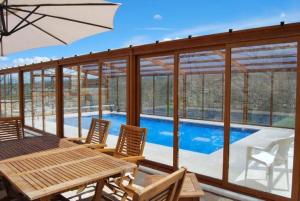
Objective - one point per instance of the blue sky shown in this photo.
(145, 21)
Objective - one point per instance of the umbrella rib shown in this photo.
(28, 23)
(64, 18)
(41, 29)
(71, 4)
(24, 19)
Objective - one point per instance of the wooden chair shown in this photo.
(97, 134)
(11, 128)
(166, 189)
(130, 145)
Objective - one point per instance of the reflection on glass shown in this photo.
(263, 94)
(156, 107)
(113, 89)
(71, 101)
(89, 93)
(9, 95)
(201, 94)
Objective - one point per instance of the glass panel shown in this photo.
(37, 93)
(89, 95)
(28, 98)
(283, 113)
(8, 95)
(147, 91)
(264, 86)
(50, 100)
(154, 98)
(114, 96)
(71, 101)
(201, 91)
(15, 95)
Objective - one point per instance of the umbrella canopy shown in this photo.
(27, 24)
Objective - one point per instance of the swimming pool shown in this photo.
(202, 138)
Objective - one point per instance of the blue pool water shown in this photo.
(195, 137)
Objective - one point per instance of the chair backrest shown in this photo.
(98, 131)
(131, 141)
(11, 128)
(166, 189)
(284, 145)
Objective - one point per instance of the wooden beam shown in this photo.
(32, 97)
(184, 99)
(246, 97)
(79, 100)
(168, 95)
(296, 159)
(227, 95)
(100, 89)
(153, 95)
(21, 97)
(59, 101)
(10, 89)
(43, 100)
(175, 112)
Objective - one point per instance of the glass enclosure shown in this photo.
(157, 106)
(251, 136)
(9, 95)
(263, 87)
(39, 100)
(201, 94)
(81, 98)
(113, 99)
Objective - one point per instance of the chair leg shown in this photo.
(246, 171)
(270, 177)
(287, 175)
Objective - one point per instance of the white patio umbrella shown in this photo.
(27, 24)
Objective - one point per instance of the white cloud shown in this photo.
(30, 60)
(137, 40)
(282, 15)
(157, 17)
(235, 25)
(167, 39)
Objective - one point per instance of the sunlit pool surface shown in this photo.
(202, 138)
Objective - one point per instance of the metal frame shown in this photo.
(259, 36)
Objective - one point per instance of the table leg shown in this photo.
(98, 190)
(8, 188)
(45, 199)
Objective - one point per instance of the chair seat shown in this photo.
(190, 188)
(264, 157)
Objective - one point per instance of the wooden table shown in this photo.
(191, 191)
(45, 174)
(13, 148)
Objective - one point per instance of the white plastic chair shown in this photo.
(275, 154)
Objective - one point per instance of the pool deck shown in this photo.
(211, 164)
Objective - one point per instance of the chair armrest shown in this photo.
(250, 150)
(133, 159)
(130, 189)
(106, 150)
(76, 139)
(95, 146)
(256, 148)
